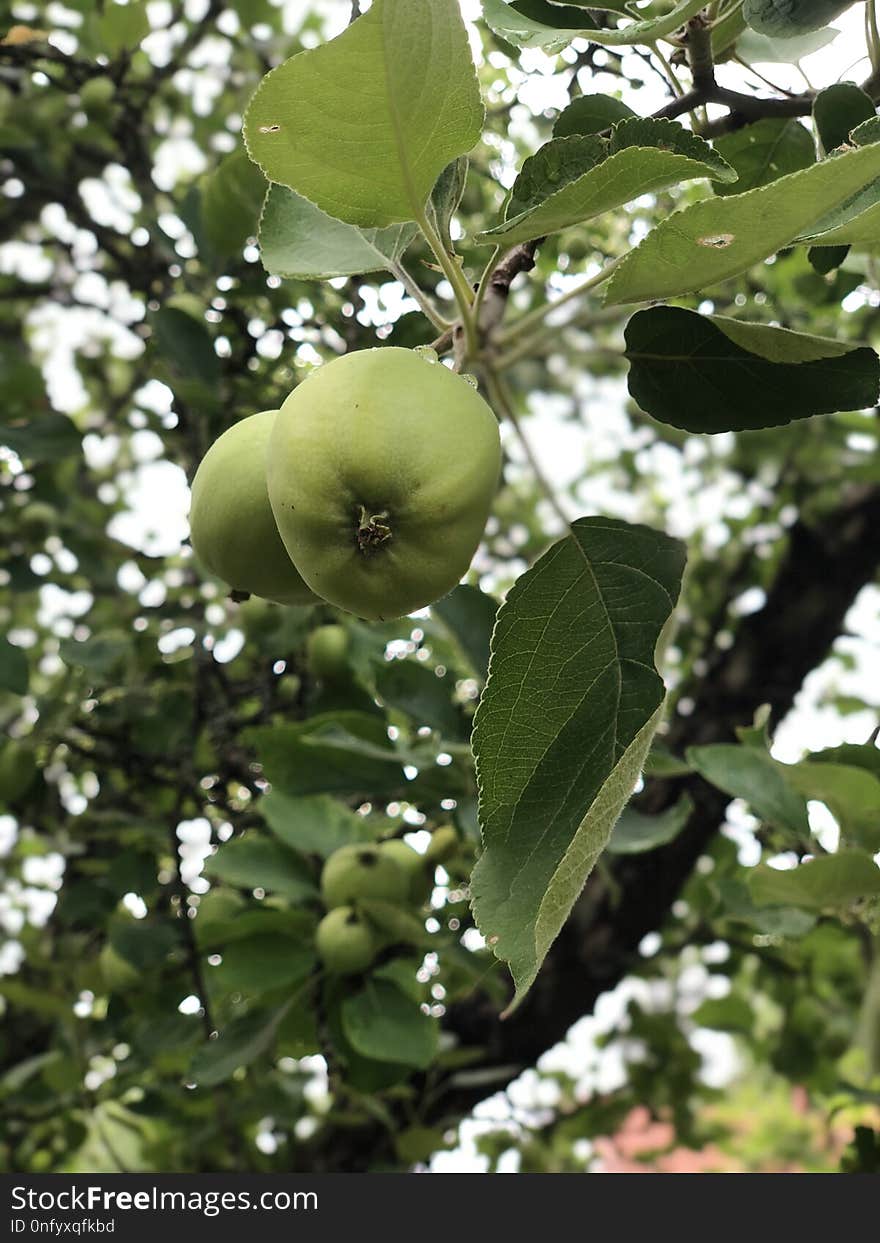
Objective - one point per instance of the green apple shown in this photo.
(362, 871)
(381, 472)
(345, 942)
(416, 866)
(231, 524)
(327, 652)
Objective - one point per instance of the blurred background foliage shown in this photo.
(145, 711)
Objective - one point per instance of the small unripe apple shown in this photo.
(231, 525)
(416, 866)
(354, 872)
(444, 842)
(381, 472)
(345, 942)
(327, 652)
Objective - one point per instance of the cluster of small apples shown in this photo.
(368, 489)
(356, 879)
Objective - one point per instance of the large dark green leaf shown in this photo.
(564, 725)
(763, 151)
(707, 373)
(382, 1023)
(838, 110)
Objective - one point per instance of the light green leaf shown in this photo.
(762, 152)
(564, 726)
(635, 832)
(121, 27)
(754, 776)
(381, 1023)
(253, 862)
(525, 32)
(708, 373)
(298, 239)
(668, 156)
(829, 882)
(852, 795)
(402, 80)
(719, 238)
(757, 49)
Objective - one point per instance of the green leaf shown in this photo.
(447, 194)
(590, 114)
(231, 202)
(239, 1044)
(381, 1023)
(298, 239)
(564, 726)
(45, 439)
(854, 754)
(398, 925)
(261, 964)
(552, 167)
(186, 344)
(333, 753)
(829, 882)
(731, 1014)
(777, 921)
(673, 156)
(754, 776)
(315, 825)
(121, 28)
(838, 110)
(721, 237)
(707, 373)
(635, 832)
(757, 49)
(97, 655)
(14, 672)
(402, 80)
(787, 18)
(762, 152)
(143, 943)
(469, 616)
(253, 862)
(851, 794)
(417, 691)
(516, 27)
